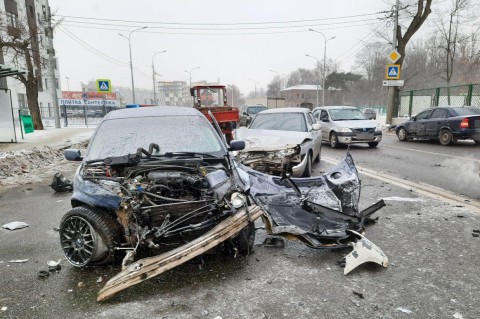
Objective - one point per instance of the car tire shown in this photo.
(372, 144)
(88, 236)
(308, 168)
(334, 140)
(245, 239)
(402, 134)
(317, 159)
(445, 137)
(477, 141)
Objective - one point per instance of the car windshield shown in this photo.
(280, 122)
(346, 115)
(256, 109)
(118, 137)
(466, 111)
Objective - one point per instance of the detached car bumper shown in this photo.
(352, 138)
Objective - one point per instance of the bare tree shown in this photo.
(19, 37)
(234, 96)
(448, 23)
(275, 86)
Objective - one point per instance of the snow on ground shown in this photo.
(31, 165)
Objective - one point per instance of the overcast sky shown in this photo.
(221, 42)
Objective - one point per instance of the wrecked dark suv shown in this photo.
(162, 180)
(153, 177)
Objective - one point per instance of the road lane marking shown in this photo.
(433, 153)
(418, 187)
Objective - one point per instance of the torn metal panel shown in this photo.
(318, 211)
(364, 251)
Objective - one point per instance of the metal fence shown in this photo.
(414, 101)
(70, 115)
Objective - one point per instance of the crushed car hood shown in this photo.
(318, 211)
(269, 140)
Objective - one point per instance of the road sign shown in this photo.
(392, 72)
(85, 96)
(393, 82)
(394, 56)
(104, 86)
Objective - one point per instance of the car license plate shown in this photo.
(364, 136)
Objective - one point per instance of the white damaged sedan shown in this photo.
(283, 140)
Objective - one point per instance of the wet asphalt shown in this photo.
(433, 269)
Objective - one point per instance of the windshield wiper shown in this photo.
(172, 154)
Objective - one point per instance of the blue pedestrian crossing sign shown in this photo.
(392, 72)
(104, 86)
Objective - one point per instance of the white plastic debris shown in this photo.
(52, 263)
(4, 308)
(404, 310)
(458, 316)
(15, 225)
(18, 261)
(100, 279)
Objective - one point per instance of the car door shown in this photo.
(417, 127)
(326, 124)
(316, 134)
(435, 122)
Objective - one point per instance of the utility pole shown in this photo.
(154, 81)
(51, 66)
(391, 89)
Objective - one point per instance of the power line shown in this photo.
(225, 29)
(218, 24)
(90, 48)
(211, 33)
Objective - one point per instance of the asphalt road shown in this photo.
(434, 260)
(454, 168)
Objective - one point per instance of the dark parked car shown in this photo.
(445, 124)
(370, 114)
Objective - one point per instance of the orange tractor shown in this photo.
(213, 98)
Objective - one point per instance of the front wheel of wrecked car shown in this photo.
(245, 239)
(88, 236)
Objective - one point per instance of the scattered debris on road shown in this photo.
(15, 225)
(18, 261)
(61, 184)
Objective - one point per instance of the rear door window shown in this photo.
(439, 114)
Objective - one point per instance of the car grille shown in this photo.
(364, 130)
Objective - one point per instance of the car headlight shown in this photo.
(345, 130)
(378, 128)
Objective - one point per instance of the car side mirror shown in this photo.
(316, 126)
(73, 154)
(324, 119)
(245, 113)
(236, 145)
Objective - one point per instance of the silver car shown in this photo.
(347, 125)
(279, 139)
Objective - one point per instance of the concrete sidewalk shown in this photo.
(52, 137)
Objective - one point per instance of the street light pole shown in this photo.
(324, 61)
(154, 82)
(190, 74)
(318, 62)
(255, 85)
(68, 82)
(131, 64)
(281, 76)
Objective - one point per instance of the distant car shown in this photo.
(248, 113)
(444, 124)
(281, 137)
(347, 125)
(370, 114)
